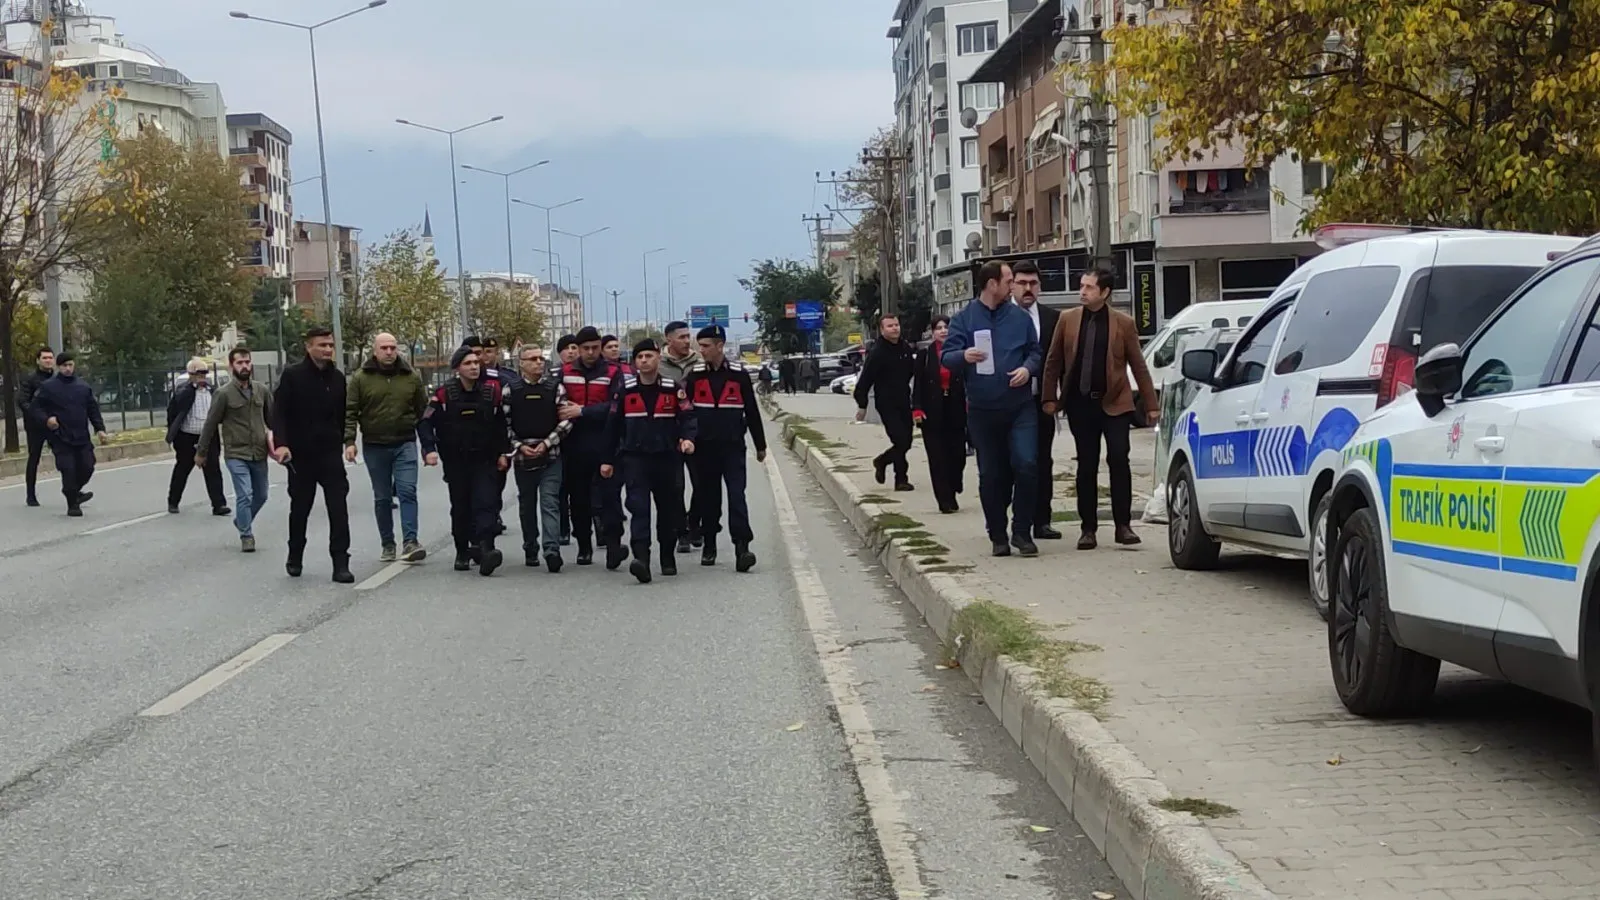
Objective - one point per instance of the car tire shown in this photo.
(1374, 676)
(1188, 543)
(1317, 562)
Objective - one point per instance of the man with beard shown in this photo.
(240, 411)
(1025, 293)
(592, 383)
(66, 408)
(44, 365)
(676, 362)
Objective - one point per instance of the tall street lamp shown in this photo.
(455, 202)
(511, 265)
(322, 153)
(583, 268)
(646, 257)
(681, 262)
(549, 247)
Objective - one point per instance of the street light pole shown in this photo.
(549, 248)
(583, 265)
(455, 202)
(511, 263)
(646, 259)
(322, 155)
(681, 262)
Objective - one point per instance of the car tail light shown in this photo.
(1399, 374)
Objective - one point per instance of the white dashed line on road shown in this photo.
(115, 525)
(218, 677)
(383, 576)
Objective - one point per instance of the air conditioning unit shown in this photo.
(1006, 203)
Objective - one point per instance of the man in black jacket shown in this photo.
(186, 419)
(1025, 294)
(888, 368)
(464, 427)
(65, 407)
(44, 365)
(651, 428)
(308, 431)
(724, 402)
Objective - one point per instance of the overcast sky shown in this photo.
(697, 125)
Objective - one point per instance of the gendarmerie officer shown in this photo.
(592, 382)
(464, 427)
(651, 428)
(724, 401)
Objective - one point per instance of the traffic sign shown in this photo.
(810, 315)
(701, 316)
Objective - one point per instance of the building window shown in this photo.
(1315, 175)
(969, 209)
(980, 97)
(1218, 191)
(969, 153)
(979, 37)
(1253, 279)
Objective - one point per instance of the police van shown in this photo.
(1463, 520)
(1254, 456)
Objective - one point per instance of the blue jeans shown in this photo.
(539, 507)
(249, 492)
(393, 470)
(1008, 470)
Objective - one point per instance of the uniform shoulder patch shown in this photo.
(668, 384)
(735, 365)
(629, 381)
(698, 367)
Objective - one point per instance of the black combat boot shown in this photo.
(616, 555)
(708, 551)
(489, 558)
(743, 559)
(640, 567)
(669, 562)
(585, 551)
(341, 571)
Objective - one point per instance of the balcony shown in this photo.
(941, 125)
(1216, 208)
(256, 192)
(250, 157)
(941, 181)
(945, 238)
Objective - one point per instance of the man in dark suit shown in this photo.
(1025, 293)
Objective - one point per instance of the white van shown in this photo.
(1161, 351)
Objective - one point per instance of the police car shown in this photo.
(1254, 455)
(1463, 518)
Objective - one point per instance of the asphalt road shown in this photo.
(444, 735)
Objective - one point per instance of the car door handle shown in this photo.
(1242, 419)
(1261, 417)
(1493, 444)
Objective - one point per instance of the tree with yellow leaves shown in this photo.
(53, 133)
(1474, 113)
(511, 316)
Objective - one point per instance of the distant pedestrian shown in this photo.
(65, 406)
(786, 376)
(384, 401)
(939, 407)
(1025, 293)
(888, 370)
(308, 429)
(464, 427)
(539, 417)
(652, 427)
(993, 347)
(1086, 374)
(239, 417)
(677, 358)
(724, 401)
(187, 409)
(44, 365)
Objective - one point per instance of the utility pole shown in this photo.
(1096, 134)
(815, 223)
(889, 266)
(616, 317)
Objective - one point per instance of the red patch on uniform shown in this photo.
(732, 394)
(633, 403)
(666, 404)
(702, 394)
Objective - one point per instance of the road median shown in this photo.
(1026, 675)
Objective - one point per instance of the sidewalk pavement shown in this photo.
(1218, 683)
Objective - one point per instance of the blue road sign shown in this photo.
(702, 316)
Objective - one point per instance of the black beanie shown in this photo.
(646, 346)
(588, 334)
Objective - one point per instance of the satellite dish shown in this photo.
(974, 241)
(1129, 223)
(969, 118)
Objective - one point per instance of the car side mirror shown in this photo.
(1438, 376)
(1201, 366)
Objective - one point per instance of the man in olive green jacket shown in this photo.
(240, 411)
(384, 400)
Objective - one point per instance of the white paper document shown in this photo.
(984, 340)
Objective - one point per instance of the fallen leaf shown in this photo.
(1336, 760)
(929, 687)
(796, 726)
(1041, 829)
(1102, 895)
(1475, 749)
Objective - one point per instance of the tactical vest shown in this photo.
(533, 409)
(585, 390)
(470, 416)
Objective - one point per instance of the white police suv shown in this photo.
(1254, 456)
(1463, 519)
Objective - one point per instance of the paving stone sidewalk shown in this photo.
(1219, 683)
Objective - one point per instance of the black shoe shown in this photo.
(640, 567)
(708, 554)
(552, 561)
(463, 561)
(566, 540)
(904, 486)
(1086, 541)
(696, 539)
(1126, 536)
(1024, 545)
(293, 568)
(218, 511)
(343, 575)
(85, 497)
(585, 557)
(743, 559)
(489, 561)
(1001, 548)
(948, 508)
(616, 555)
(669, 562)
(684, 545)
(1046, 533)
(75, 511)
(880, 469)
(172, 509)
(530, 559)
(33, 501)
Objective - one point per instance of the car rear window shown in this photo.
(1460, 298)
(1336, 311)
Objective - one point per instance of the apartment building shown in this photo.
(260, 148)
(1183, 231)
(308, 263)
(562, 308)
(938, 47)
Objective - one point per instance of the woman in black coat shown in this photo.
(939, 407)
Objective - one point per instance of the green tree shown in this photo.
(916, 307)
(408, 288)
(773, 284)
(59, 175)
(267, 315)
(510, 316)
(174, 233)
(1479, 113)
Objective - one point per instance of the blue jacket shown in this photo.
(72, 404)
(1014, 346)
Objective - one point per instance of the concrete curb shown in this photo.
(1158, 855)
(14, 466)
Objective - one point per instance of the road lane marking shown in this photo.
(115, 525)
(218, 677)
(384, 575)
(104, 467)
(883, 804)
